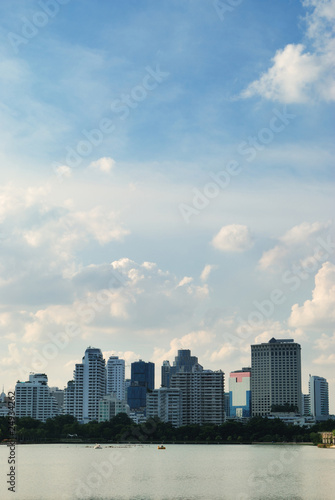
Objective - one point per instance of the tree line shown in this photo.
(65, 428)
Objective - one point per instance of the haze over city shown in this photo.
(166, 183)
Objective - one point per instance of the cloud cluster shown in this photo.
(299, 74)
(233, 238)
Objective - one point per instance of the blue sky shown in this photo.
(184, 146)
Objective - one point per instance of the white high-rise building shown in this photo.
(33, 398)
(276, 376)
(115, 370)
(202, 395)
(89, 386)
(165, 403)
(318, 396)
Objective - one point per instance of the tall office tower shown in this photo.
(318, 396)
(276, 375)
(115, 370)
(33, 398)
(165, 374)
(142, 380)
(202, 395)
(240, 393)
(89, 385)
(165, 403)
(183, 362)
(69, 398)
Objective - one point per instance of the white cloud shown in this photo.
(298, 74)
(104, 164)
(320, 310)
(185, 281)
(325, 360)
(325, 342)
(300, 243)
(233, 238)
(206, 272)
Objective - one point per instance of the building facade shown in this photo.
(240, 393)
(276, 376)
(165, 403)
(33, 398)
(318, 396)
(202, 395)
(110, 406)
(183, 362)
(142, 380)
(82, 397)
(115, 370)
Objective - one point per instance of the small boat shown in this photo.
(98, 447)
(161, 447)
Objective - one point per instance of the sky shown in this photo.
(166, 182)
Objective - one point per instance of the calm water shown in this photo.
(202, 472)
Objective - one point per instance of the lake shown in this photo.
(181, 472)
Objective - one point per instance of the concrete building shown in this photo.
(276, 375)
(89, 386)
(183, 362)
(306, 405)
(202, 394)
(110, 406)
(115, 371)
(240, 393)
(318, 396)
(33, 398)
(69, 398)
(58, 394)
(165, 403)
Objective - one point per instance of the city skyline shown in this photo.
(187, 362)
(166, 182)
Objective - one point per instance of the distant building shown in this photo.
(33, 398)
(226, 404)
(110, 406)
(276, 376)
(240, 393)
(165, 403)
(115, 370)
(89, 386)
(58, 394)
(183, 362)
(142, 381)
(306, 405)
(318, 396)
(202, 395)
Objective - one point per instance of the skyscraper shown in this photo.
(115, 370)
(142, 380)
(202, 395)
(276, 375)
(240, 393)
(89, 386)
(318, 396)
(183, 362)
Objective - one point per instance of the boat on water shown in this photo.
(98, 447)
(161, 447)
